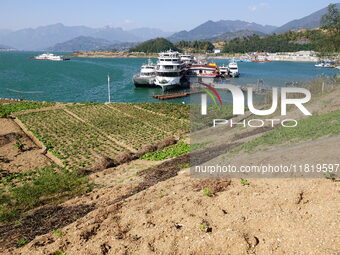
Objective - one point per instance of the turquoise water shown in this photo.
(85, 79)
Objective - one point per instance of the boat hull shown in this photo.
(167, 83)
(144, 81)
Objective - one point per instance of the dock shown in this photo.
(176, 95)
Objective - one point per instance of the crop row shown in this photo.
(128, 130)
(178, 111)
(71, 140)
(163, 122)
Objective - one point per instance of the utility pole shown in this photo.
(108, 87)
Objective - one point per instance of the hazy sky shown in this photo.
(171, 15)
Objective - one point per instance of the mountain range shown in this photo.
(45, 37)
(211, 29)
(88, 43)
(70, 38)
(309, 22)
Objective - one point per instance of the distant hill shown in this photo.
(154, 46)
(81, 43)
(239, 34)
(308, 22)
(212, 29)
(119, 46)
(146, 33)
(45, 37)
(5, 47)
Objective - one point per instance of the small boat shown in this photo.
(50, 56)
(245, 59)
(224, 70)
(147, 75)
(233, 69)
(325, 64)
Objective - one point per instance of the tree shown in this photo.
(331, 23)
(331, 20)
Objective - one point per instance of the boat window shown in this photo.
(168, 74)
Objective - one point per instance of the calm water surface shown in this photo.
(85, 79)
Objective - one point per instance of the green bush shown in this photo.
(168, 152)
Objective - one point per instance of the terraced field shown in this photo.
(78, 134)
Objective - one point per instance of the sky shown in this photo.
(171, 16)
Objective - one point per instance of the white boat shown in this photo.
(187, 59)
(325, 64)
(147, 75)
(224, 70)
(169, 70)
(233, 69)
(50, 56)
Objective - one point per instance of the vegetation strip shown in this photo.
(310, 128)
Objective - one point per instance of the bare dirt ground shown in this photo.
(158, 208)
(11, 159)
(268, 216)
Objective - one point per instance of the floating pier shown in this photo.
(176, 95)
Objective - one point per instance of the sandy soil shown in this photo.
(269, 216)
(11, 159)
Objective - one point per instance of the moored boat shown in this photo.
(233, 69)
(208, 71)
(224, 70)
(169, 70)
(147, 75)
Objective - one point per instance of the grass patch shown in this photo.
(199, 121)
(9, 108)
(168, 152)
(47, 185)
(198, 146)
(307, 129)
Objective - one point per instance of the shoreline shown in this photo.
(275, 57)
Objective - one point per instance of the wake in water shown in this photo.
(25, 92)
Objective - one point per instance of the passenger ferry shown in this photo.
(169, 70)
(50, 56)
(147, 75)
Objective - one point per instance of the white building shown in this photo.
(217, 50)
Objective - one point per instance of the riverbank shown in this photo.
(303, 56)
(111, 54)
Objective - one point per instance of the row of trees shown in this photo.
(195, 46)
(273, 43)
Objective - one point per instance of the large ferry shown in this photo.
(169, 70)
(50, 56)
(147, 75)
